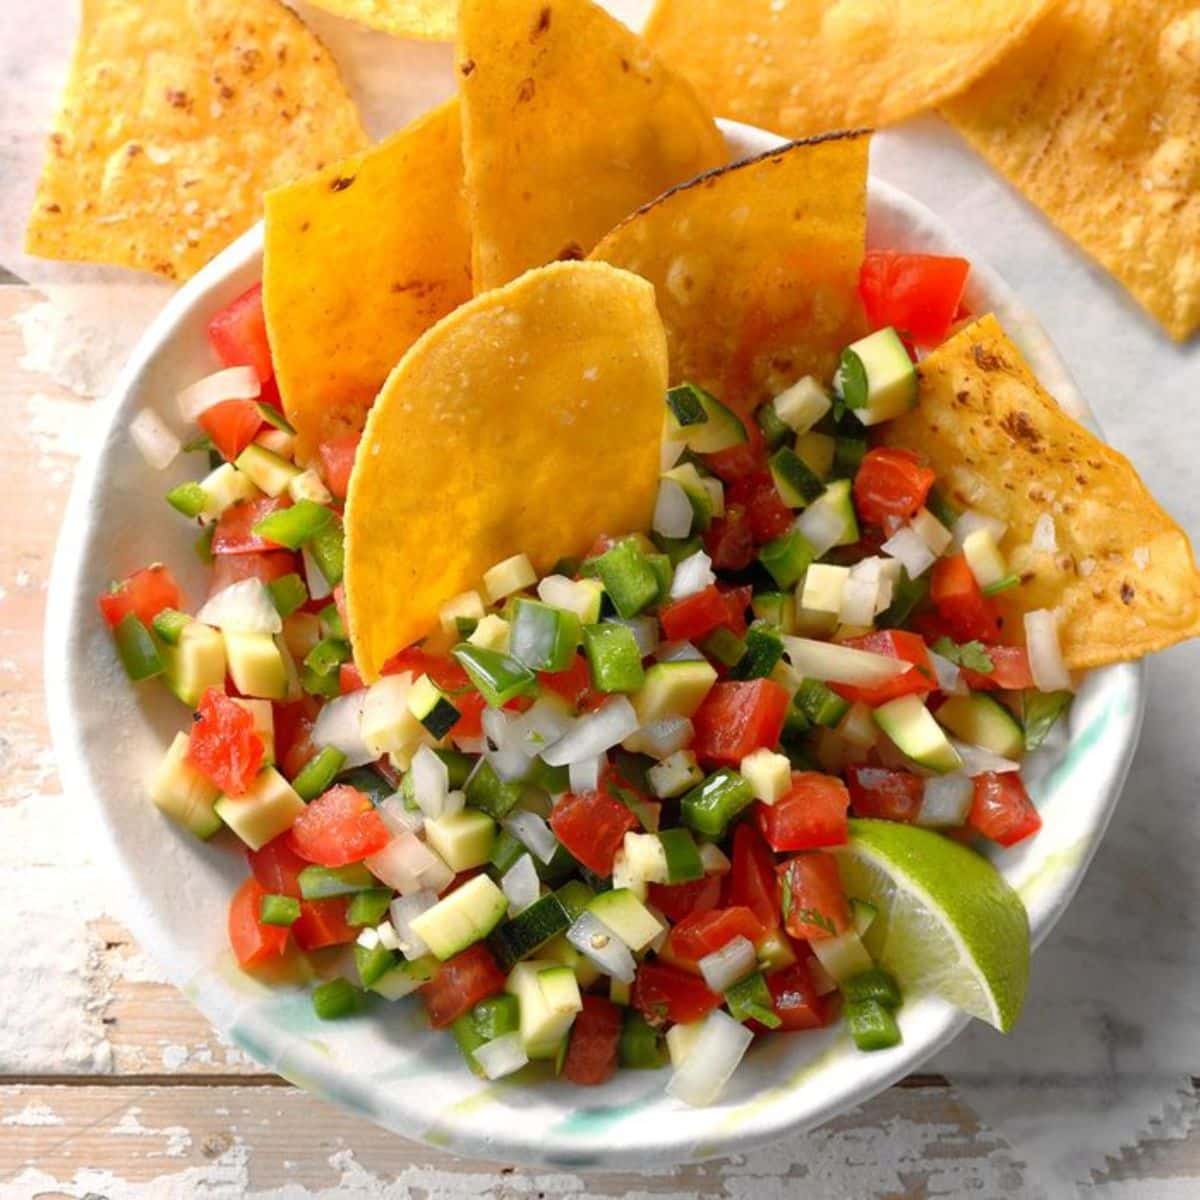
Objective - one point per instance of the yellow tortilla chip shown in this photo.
(177, 116)
(1123, 577)
(569, 123)
(756, 267)
(527, 421)
(1097, 120)
(358, 261)
(431, 19)
(800, 67)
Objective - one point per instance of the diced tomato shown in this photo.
(224, 746)
(729, 540)
(235, 526)
(349, 680)
(323, 923)
(1002, 810)
(918, 294)
(769, 516)
(814, 901)
(753, 881)
(592, 825)
(1010, 671)
(809, 815)
(736, 462)
(232, 568)
(470, 706)
(678, 900)
(441, 668)
(962, 606)
(337, 461)
(253, 942)
(145, 593)
(572, 684)
(277, 867)
(238, 334)
(339, 602)
(694, 616)
(890, 483)
(736, 719)
(795, 998)
(898, 644)
(664, 995)
(879, 792)
(293, 734)
(737, 600)
(460, 984)
(592, 1051)
(232, 425)
(339, 827)
(706, 932)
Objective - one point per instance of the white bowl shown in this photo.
(388, 1065)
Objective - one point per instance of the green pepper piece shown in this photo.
(1039, 712)
(640, 1047)
(496, 1016)
(335, 999)
(320, 883)
(750, 999)
(369, 907)
(614, 660)
(327, 655)
(188, 498)
(574, 896)
(872, 1026)
(489, 793)
(710, 807)
(628, 577)
(873, 984)
(169, 624)
(787, 558)
(318, 773)
(683, 859)
(848, 453)
(775, 430)
(374, 962)
(820, 704)
(136, 649)
(906, 595)
(498, 677)
(331, 622)
(203, 544)
(328, 550)
(274, 909)
(764, 648)
(724, 646)
(294, 527)
(288, 592)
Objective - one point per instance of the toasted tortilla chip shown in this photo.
(756, 267)
(569, 123)
(800, 67)
(1123, 577)
(1096, 118)
(529, 420)
(176, 118)
(431, 19)
(359, 260)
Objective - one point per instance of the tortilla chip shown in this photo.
(800, 67)
(358, 261)
(1097, 120)
(177, 116)
(756, 267)
(529, 420)
(569, 123)
(431, 19)
(1123, 577)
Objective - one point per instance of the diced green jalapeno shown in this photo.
(188, 498)
(373, 962)
(628, 577)
(787, 558)
(498, 677)
(328, 551)
(169, 624)
(683, 859)
(614, 660)
(318, 773)
(288, 592)
(320, 883)
(820, 704)
(278, 910)
(750, 999)
(369, 907)
(491, 794)
(710, 807)
(871, 1025)
(138, 653)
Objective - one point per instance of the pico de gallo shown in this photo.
(599, 806)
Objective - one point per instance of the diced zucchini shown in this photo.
(793, 479)
(430, 705)
(180, 791)
(463, 917)
(824, 584)
(764, 648)
(645, 857)
(697, 493)
(463, 839)
(320, 883)
(267, 471)
(549, 999)
(627, 917)
(468, 605)
(514, 574)
(270, 807)
(820, 704)
(982, 721)
(525, 934)
(775, 951)
(803, 404)
(223, 488)
(985, 558)
(559, 950)
(673, 689)
(876, 378)
(388, 725)
(699, 420)
(835, 506)
(769, 774)
(787, 557)
(255, 664)
(916, 734)
(816, 451)
(403, 978)
(492, 633)
(674, 775)
(583, 597)
(195, 662)
(681, 1039)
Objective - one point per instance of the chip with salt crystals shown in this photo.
(569, 123)
(801, 67)
(1084, 535)
(358, 261)
(524, 422)
(756, 267)
(1096, 118)
(430, 19)
(176, 118)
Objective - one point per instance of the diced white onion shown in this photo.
(403, 911)
(368, 939)
(907, 547)
(949, 676)
(931, 531)
(339, 724)
(972, 520)
(398, 817)
(672, 510)
(723, 968)
(233, 383)
(496, 723)
(978, 761)
(510, 765)
(713, 859)
(155, 442)
(533, 833)
(671, 453)
(832, 663)
(430, 782)
(678, 652)
(242, 607)
(693, 574)
(1046, 664)
(501, 1056)
(803, 404)
(593, 734)
(386, 934)
(520, 884)
(546, 720)
(409, 866)
(644, 630)
(716, 494)
(712, 1060)
(946, 801)
(584, 776)
(858, 603)
(598, 944)
(1045, 535)
(822, 528)
(661, 739)
(318, 586)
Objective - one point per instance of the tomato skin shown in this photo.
(694, 616)
(223, 745)
(235, 526)
(737, 600)
(572, 684)
(339, 827)
(890, 483)
(968, 614)
(592, 826)
(238, 333)
(729, 540)
(811, 814)
(706, 932)
(323, 923)
(470, 722)
(753, 882)
(769, 516)
(144, 593)
(441, 668)
(736, 719)
(1001, 809)
(814, 900)
(880, 792)
(737, 462)
(293, 734)
(891, 643)
(232, 425)
(795, 998)
(253, 942)
(460, 984)
(592, 1049)
(349, 680)
(918, 294)
(679, 900)
(337, 461)
(664, 994)
(1010, 671)
(277, 867)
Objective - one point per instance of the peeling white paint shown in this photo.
(33, 1115)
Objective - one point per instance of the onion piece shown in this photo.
(978, 761)
(532, 832)
(398, 817)
(910, 550)
(511, 765)
(971, 521)
(723, 968)
(233, 383)
(1046, 664)
(242, 607)
(339, 724)
(672, 510)
(584, 776)
(598, 944)
(661, 739)
(858, 601)
(678, 652)
(931, 531)
(830, 662)
(409, 866)
(155, 442)
(711, 1061)
(713, 859)
(822, 528)
(430, 782)
(670, 453)
(547, 719)
(594, 733)
(319, 588)
(693, 574)
(521, 885)
(949, 675)
(501, 1056)
(947, 801)
(402, 911)
(644, 630)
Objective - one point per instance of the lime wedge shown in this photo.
(948, 921)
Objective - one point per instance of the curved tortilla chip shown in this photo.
(358, 261)
(569, 123)
(756, 267)
(1096, 118)
(529, 420)
(1123, 577)
(176, 118)
(801, 67)
(432, 19)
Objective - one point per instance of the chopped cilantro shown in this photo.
(972, 655)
